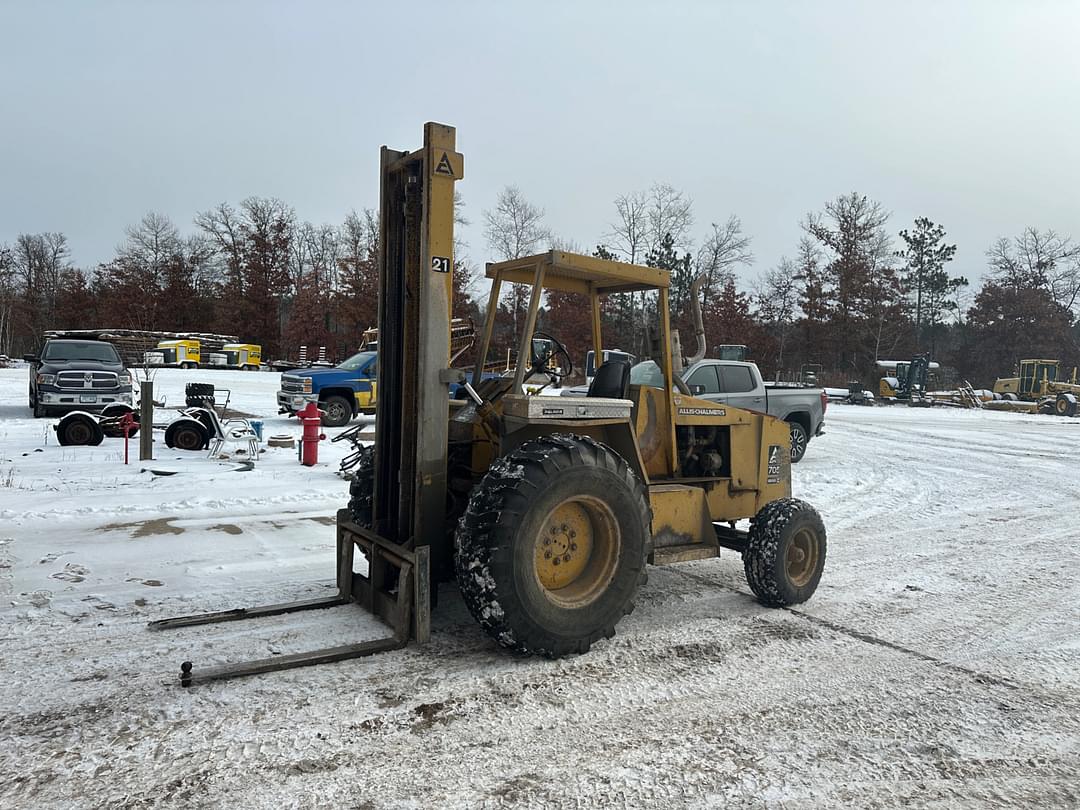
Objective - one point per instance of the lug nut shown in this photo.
(565, 528)
(547, 555)
(573, 546)
(547, 541)
(573, 534)
(566, 557)
(556, 561)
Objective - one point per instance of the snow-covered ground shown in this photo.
(938, 664)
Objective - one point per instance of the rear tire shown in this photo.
(186, 434)
(799, 441)
(785, 552)
(337, 410)
(79, 429)
(551, 550)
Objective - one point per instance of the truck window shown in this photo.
(736, 379)
(705, 376)
(58, 351)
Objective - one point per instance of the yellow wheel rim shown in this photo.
(801, 558)
(577, 551)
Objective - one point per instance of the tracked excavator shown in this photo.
(547, 511)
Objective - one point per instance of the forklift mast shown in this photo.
(416, 264)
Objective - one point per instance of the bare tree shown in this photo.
(514, 227)
(629, 234)
(725, 248)
(151, 244)
(8, 297)
(776, 300)
(39, 261)
(1041, 259)
(669, 212)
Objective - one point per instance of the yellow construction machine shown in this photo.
(545, 510)
(1044, 383)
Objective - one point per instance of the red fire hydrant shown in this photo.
(311, 418)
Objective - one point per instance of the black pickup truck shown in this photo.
(77, 375)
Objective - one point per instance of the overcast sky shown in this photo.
(968, 113)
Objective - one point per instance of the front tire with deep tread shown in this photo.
(498, 553)
(785, 552)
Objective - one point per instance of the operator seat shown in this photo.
(612, 380)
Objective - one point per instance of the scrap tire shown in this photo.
(785, 552)
(77, 429)
(199, 395)
(362, 488)
(337, 411)
(531, 495)
(186, 434)
(799, 441)
(1065, 405)
(118, 409)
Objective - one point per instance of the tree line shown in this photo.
(850, 292)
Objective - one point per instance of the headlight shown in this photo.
(124, 378)
(307, 385)
(46, 379)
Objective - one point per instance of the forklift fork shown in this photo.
(396, 588)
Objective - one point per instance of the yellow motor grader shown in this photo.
(546, 510)
(1043, 383)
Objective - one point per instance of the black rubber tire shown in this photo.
(1010, 397)
(78, 429)
(186, 434)
(40, 411)
(800, 440)
(338, 411)
(199, 395)
(362, 488)
(1063, 406)
(495, 544)
(771, 533)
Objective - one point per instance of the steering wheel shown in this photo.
(540, 366)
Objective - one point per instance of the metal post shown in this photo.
(146, 420)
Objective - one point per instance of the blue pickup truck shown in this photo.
(341, 391)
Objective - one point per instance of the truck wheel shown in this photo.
(799, 441)
(79, 429)
(362, 487)
(1065, 405)
(785, 552)
(551, 550)
(338, 411)
(186, 434)
(39, 411)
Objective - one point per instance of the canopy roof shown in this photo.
(573, 272)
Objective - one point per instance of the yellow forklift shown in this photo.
(1044, 383)
(546, 510)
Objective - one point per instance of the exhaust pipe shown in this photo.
(699, 325)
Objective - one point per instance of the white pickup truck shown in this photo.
(740, 385)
